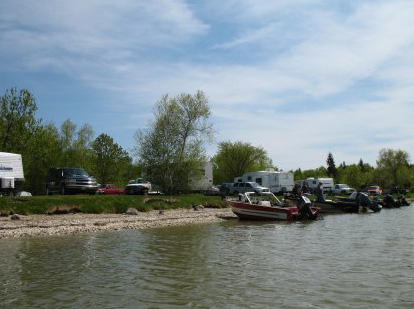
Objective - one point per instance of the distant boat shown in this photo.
(266, 206)
(345, 204)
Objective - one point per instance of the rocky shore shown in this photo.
(81, 223)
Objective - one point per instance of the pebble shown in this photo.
(84, 223)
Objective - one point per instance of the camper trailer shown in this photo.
(11, 173)
(277, 182)
(327, 184)
(204, 181)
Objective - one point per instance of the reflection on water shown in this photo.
(343, 261)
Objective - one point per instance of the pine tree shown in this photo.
(331, 170)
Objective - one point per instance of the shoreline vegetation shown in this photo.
(59, 215)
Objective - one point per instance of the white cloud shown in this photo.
(345, 76)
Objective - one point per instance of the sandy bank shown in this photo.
(80, 223)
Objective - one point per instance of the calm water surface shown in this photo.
(343, 261)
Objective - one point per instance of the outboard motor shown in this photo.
(388, 201)
(305, 211)
(401, 201)
(375, 207)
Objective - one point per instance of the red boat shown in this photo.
(266, 206)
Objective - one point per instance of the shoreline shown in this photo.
(37, 225)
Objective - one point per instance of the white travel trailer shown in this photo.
(277, 182)
(11, 173)
(203, 182)
(327, 183)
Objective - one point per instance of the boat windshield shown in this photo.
(254, 198)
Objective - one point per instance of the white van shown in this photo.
(11, 173)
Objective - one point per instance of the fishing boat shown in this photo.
(266, 206)
(350, 204)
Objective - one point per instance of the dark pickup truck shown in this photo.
(70, 180)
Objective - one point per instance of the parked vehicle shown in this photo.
(225, 188)
(213, 190)
(11, 173)
(277, 182)
(203, 181)
(374, 190)
(138, 186)
(109, 189)
(342, 189)
(327, 184)
(242, 187)
(70, 180)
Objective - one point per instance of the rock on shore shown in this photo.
(80, 223)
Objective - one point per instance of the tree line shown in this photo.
(43, 146)
(393, 170)
(169, 152)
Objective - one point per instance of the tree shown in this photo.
(76, 145)
(44, 152)
(394, 166)
(83, 145)
(110, 159)
(171, 149)
(235, 159)
(331, 170)
(17, 121)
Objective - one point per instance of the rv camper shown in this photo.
(204, 181)
(327, 184)
(277, 182)
(11, 173)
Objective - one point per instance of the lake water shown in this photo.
(343, 261)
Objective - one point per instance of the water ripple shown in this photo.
(343, 261)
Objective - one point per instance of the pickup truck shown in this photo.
(109, 189)
(138, 186)
(342, 189)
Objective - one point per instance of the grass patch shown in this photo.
(104, 203)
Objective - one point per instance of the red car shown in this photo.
(109, 189)
(374, 190)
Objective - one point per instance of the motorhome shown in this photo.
(277, 182)
(11, 173)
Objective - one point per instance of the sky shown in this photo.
(299, 78)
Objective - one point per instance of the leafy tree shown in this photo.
(394, 166)
(235, 159)
(331, 170)
(17, 121)
(83, 145)
(356, 176)
(171, 149)
(111, 161)
(76, 145)
(44, 152)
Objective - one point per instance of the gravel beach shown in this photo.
(81, 223)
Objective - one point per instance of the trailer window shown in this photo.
(259, 181)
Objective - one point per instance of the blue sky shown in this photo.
(300, 78)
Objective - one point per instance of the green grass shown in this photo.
(104, 203)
